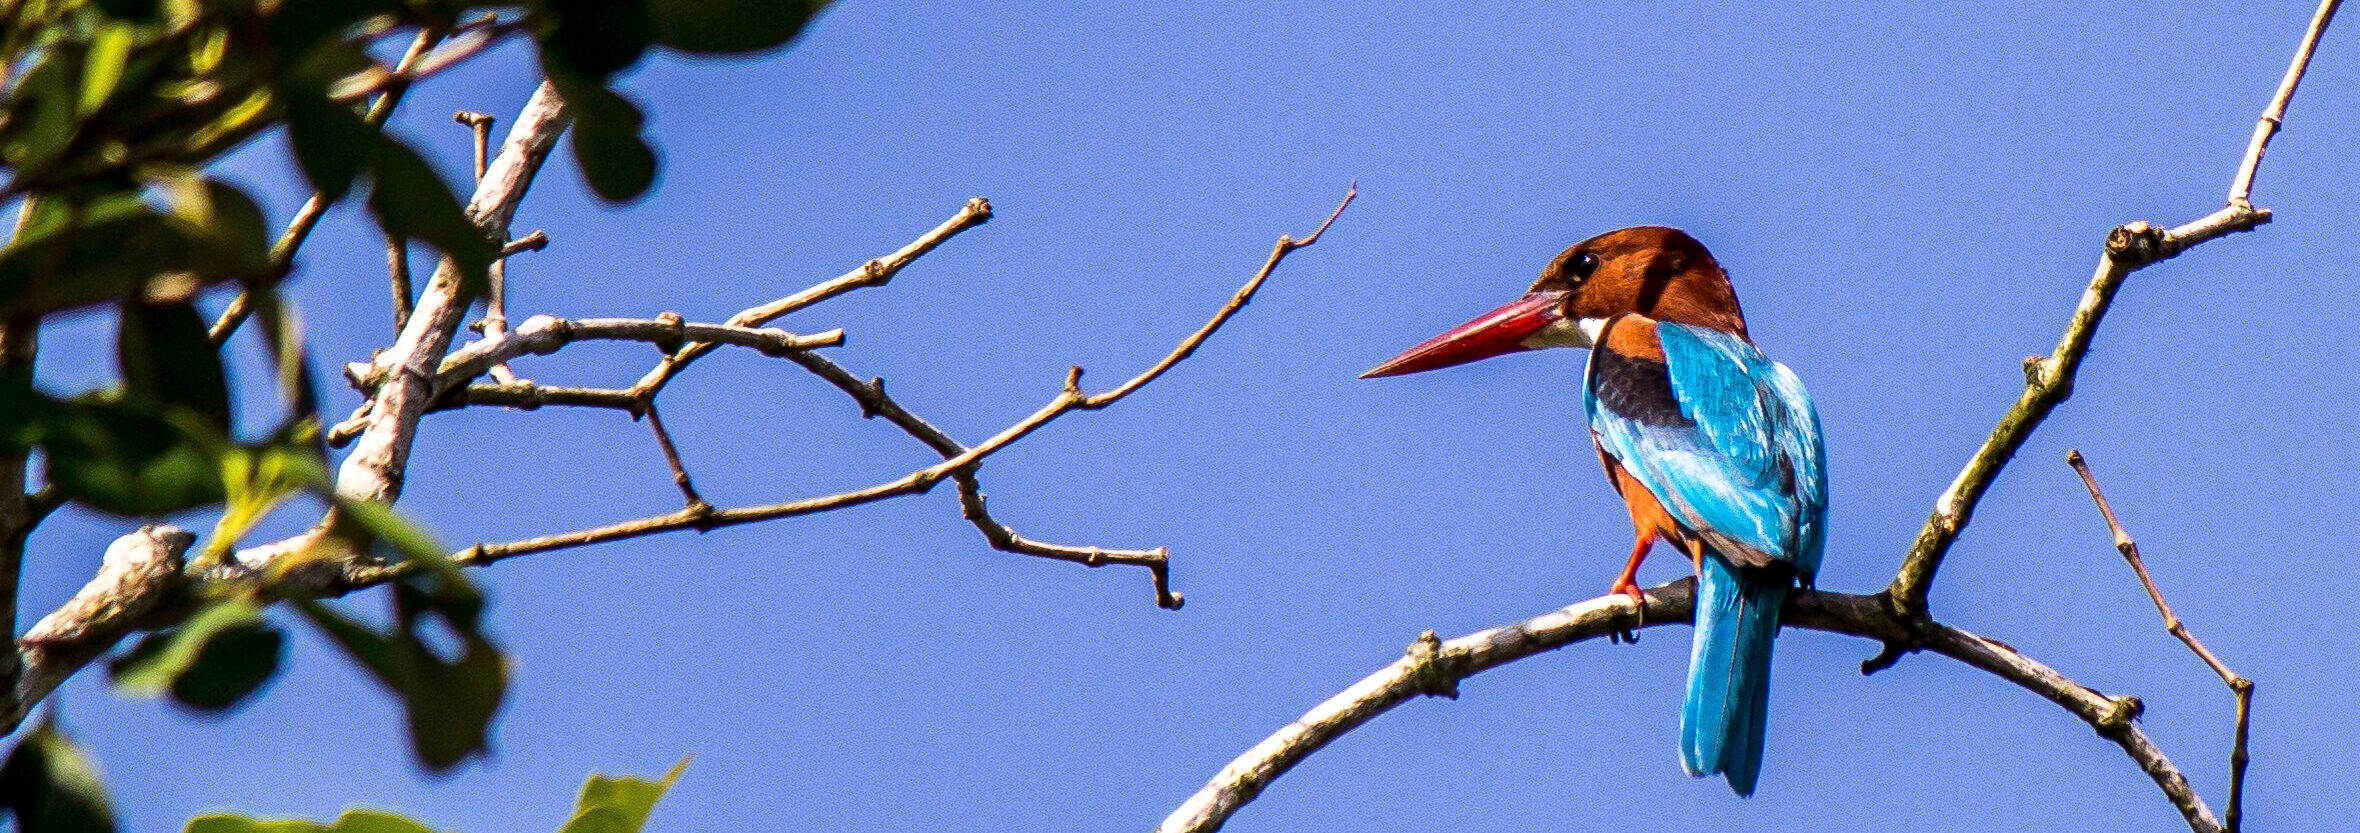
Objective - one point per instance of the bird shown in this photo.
(1714, 449)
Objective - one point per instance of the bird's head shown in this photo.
(1658, 272)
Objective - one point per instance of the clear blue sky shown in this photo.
(1910, 198)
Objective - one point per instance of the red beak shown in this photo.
(1498, 332)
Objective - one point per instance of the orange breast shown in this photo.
(1648, 518)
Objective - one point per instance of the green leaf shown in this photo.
(102, 66)
(450, 702)
(129, 460)
(167, 359)
(619, 805)
(227, 221)
(382, 524)
(410, 200)
(593, 38)
(366, 646)
(52, 786)
(608, 144)
(730, 26)
(330, 141)
(255, 480)
(211, 662)
(43, 113)
(99, 249)
(353, 821)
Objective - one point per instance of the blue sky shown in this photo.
(1909, 196)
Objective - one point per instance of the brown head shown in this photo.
(1658, 272)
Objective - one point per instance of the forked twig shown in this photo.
(2238, 685)
(2048, 380)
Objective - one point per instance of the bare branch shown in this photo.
(959, 461)
(1433, 667)
(688, 490)
(374, 469)
(542, 335)
(138, 575)
(397, 269)
(2241, 188)
(876, 272)
(2239, 686)
(282, 255)
(2048, 380)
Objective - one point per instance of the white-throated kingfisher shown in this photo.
(1714, 448)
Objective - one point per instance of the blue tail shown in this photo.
(1729, 670)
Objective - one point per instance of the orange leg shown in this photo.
(1628, 585)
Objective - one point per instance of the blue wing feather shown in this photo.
(1736, 457)
(1746, 469)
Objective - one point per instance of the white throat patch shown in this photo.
(1566, 333)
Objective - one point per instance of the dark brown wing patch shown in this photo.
(1628, 374)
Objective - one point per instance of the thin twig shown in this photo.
(2048, 380)
(373, 471)
(957, 459)
(481, 125)
(1433, 667)
(469, 41)
(495, 316)
(2241, 188)
(874, 402)
(282, 255)
(2238, 685)
(397, 265)
(527, 395)
(542, 335)
(876, 272)
(533, 242)
(688, 490)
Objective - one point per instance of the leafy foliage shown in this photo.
(607, 805)
(52, 786)
(619, 805)
(209, 663)
(110, 113)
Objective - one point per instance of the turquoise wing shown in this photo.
(1726, 439)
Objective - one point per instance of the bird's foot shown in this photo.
(1638, 598)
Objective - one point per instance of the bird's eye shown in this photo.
(1584, 265)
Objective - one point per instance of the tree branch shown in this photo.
(1897, 616)
(138, 575)
(876, 272)
(282, 254)
(2239, 686)
(959, 461)
(2241, 188)
(374, 469)
(1433, 667)
(2048, 380)
(542, 335)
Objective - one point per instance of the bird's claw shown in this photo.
(1638, 599)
